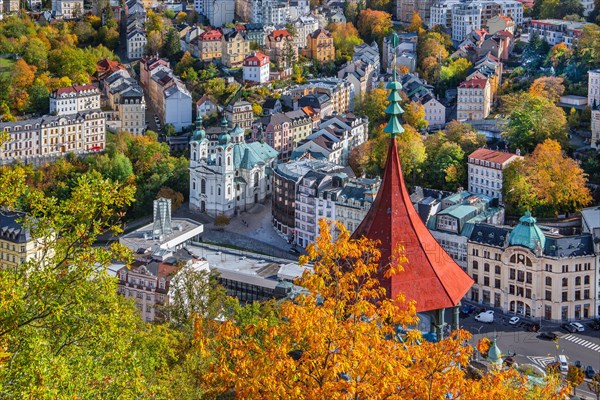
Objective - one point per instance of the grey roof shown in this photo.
(11, 228)
(490, 234)
(569, 246)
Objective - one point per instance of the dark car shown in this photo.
(548, 336)
(569, 328)
(578, 364)
(589, 372)
(467, 309)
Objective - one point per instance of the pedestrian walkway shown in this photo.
(582, 342)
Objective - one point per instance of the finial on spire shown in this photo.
(395, 40)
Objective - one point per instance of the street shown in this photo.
(529, 349)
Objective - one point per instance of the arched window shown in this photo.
(475, 265)
(586, 280)
(203, 186)
(565, 282)
(548, 281)
(219, 191)
(228, 160)
(513, 258)
(577, 280)
(194, 155)
(256, 178)
(228, 190)
(194, 185)
(219, 161)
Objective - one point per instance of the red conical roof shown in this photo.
(430, 277)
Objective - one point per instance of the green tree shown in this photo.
(373, 105)
(454, 72)
(38, 97)
(534, 119)
(172, 45)
(444, 158)
(36, 53)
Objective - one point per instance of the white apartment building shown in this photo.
(68, 9)
(305, 25)
(125, 96)
(177, 105)
(474, 100)
(50, 136)
(465, 18)
(207, 105)
(485, 172)
(73, 99)
(256, 68)
(136, 44)
(588, 7)
(555, 31)
(219, 12)
(594, 103)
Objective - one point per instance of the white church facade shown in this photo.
(231, 176)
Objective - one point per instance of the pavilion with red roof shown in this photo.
(430, 277)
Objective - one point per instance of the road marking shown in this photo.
(541, 361)
(582, 342)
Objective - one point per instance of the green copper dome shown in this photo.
(199, 132)
(494, 354)
(527, 233)
(237, 131)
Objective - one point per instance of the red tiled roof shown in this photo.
(211, 34)
(505, 33)
(279, 33)
(259, 57)
(491, 155)
(430, 277)
(74, 89)
(476, 83)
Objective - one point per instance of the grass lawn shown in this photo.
(5, 65)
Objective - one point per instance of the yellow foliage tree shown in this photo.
(550, 87)
(339, 340)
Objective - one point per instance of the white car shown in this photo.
(486, 316)
(578, 326)
(514, 320)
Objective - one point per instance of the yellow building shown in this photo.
(319, 46)
(235, 48)
(16, 244)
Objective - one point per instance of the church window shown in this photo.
(256, 178)
(218, 191)
(202, 186)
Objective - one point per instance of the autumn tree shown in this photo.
(339, 339)
(181, 17)
(416, 24)
(414, 115)
(345, 37)
(575, 377)
(374, 25)
(534, 119)
(453, 72)
(546, 182)
(373, 105)
(154, 42)
(549, 87)
(175, 197)
(594, 385)
(432, 50)
(560, 54)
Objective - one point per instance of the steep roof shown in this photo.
(11, 227)
(491, 155)
(473, 84)
(430, 277)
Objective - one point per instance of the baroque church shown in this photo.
(228, 176)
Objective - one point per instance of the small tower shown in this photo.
(198, 144)
(494, 354)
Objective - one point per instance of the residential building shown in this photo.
(256, 68)
(486, 171)
(219, 12)
(16, 244)
(500, 23)
(10, 6)
(276, 131)
(452, 224)
(125, 97)
(73, 99)
(368, 54)
(338, 90)
(136, 44)
(66, 9)
(171, 99)
(240, 113)
(301, 125)
(360, 75)
(318, 102)
(234, 177)
(255, 33)
(588, 7)
(299, 8)
(209, 45)
(281, 49)
(593, 100)
(555, 31)
(406, 52)
(235, 48)
(207, 105)
(533, 272)
(465, 18)
(474, 100)
(51, 136)
(304, 25)
(270, 12)
(272, 106)
(319, 46)
(417, 90)
(334, 139)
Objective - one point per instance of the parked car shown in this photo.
(548, 336)
(486, 316)
(595, 324)
(578, 326)
(514, 320)
(589, 372)
(569, 328)
(467, 309)
(578, 364)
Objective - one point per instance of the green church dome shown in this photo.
(494, 354)
(237, 131)
(527, 233)
(199, 132)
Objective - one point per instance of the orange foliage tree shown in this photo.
(338, 340)
(374, 25)
(550, 87)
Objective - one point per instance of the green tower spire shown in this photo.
(394, 127)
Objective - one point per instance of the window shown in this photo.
(512, 273)
(476, 278)
(497, 270)
(565, 282)
(565, 268)
(486, 281)
(528, 293)
(521, 276)
(548, 281)
(578, 295)
(549, 295)
(586, 280)
(529, 277)
(586, 294)
(203, 186)
(497, 284)
(549, 267)
(564, 296)
(511, 289)
(577, 280)
(475, 265)
(486, 267)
